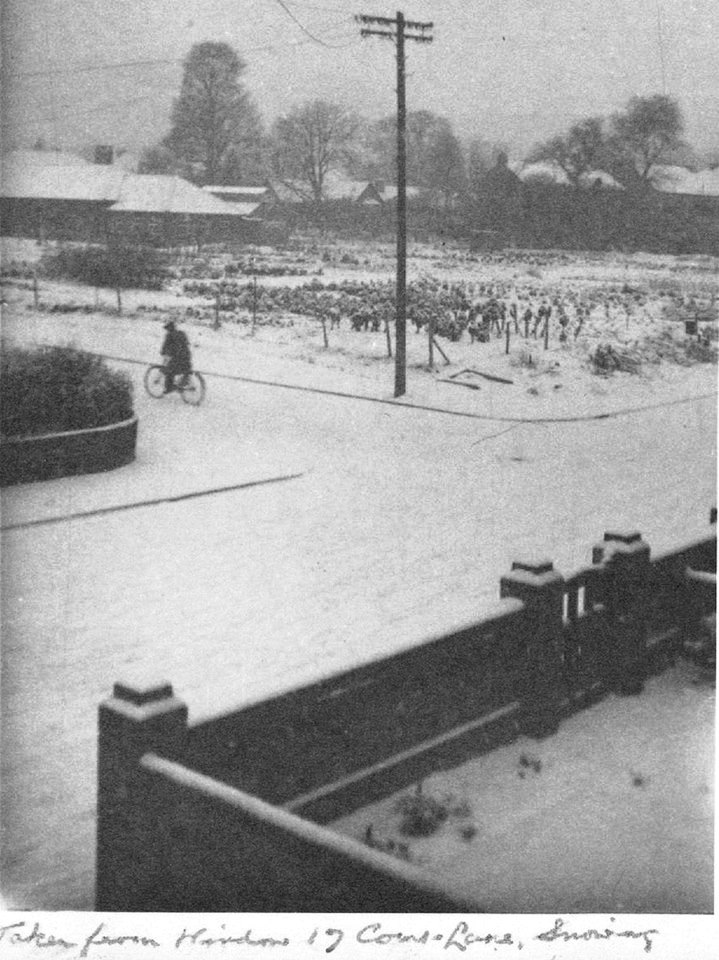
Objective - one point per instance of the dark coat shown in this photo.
(177, 347)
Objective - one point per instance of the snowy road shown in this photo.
(399, 527)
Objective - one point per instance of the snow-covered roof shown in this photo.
(159, 193)
(546, 170)
(257, 192)
(128, 192)
(672, 179)
(290, 191)
(605, 179)
(70, 182)
(334, 187)
(43, 158)
(389, 192)
(338, 187)
(539, 171)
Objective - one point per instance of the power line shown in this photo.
(303, 28)
(119, 65)
(123, 64)
(314, 6)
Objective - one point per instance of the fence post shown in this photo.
(625, 558)
(137, 719)
(541, 588)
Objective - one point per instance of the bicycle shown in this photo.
(191, 386)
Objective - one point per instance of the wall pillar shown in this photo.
(541, 588)
(627, 570)
(137, 719)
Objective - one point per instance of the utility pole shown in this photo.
(399, 30)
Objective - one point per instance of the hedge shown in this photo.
(55, 389)
(126, 267)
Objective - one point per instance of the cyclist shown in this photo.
(176, 355)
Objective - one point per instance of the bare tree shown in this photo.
(430, 140)
(310, 140)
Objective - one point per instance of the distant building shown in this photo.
(388, 192)
(95, 202)
(336, 187)
(498, 204)
(289, 191)
(104, 153)
(552, 173)
(259, 198)
(681, 182)
(691, 197)
(42, 158)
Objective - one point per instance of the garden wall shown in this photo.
(226, 814)
(53, 455)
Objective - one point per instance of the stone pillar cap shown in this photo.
(537, 566)
(626, 536)
(140, 694)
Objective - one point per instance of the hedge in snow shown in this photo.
(57, 389)
(116, 266)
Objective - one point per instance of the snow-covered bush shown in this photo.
(55, 389)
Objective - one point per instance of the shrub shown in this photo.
(606, 359)
(113, 266)
(54, 389)
(421, 815)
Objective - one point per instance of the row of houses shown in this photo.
(47, 195)
(52, 195)
(55, 195)
(667, 179)
(275, 194)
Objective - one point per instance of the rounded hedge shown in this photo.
(56, 389)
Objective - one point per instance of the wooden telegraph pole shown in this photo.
(396, 28)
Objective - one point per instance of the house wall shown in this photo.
(38, 219)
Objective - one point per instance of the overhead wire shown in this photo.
(312, 36)
(72, 110)
(123, 64)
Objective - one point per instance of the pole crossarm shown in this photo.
(366, 18)
(392, 22)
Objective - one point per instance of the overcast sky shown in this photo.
(513, 71)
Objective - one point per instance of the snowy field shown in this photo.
(396, 525)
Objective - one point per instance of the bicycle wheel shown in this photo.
(155, 380)
(193, 391)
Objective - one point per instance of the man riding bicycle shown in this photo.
(176, 355)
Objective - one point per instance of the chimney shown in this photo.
(104, 154)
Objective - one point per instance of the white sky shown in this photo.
(509, 70)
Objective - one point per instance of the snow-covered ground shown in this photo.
(612, 814)
(399, 526)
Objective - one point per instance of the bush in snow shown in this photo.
(55, 389)
(115, 266)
